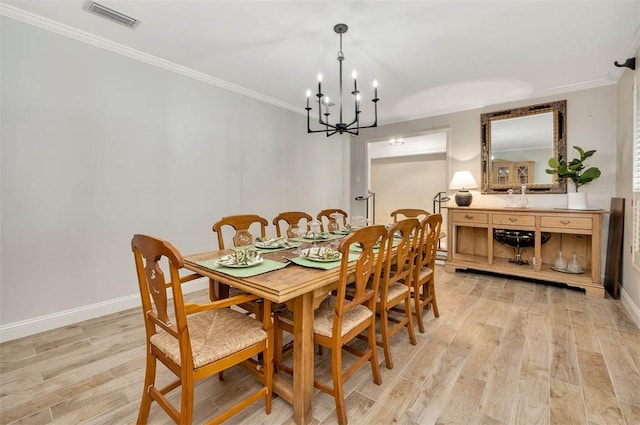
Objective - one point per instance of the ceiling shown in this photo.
(429, 57)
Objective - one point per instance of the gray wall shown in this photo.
(591, 123)
(599, 118)
(97, 146)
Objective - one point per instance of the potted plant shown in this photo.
(578, 172)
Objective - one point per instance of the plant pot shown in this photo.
(577, 200)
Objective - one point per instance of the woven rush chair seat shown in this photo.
(340, 319)
(323, 317)
(423, 290)
(194, 341)
(395, 290)
(205, 330)
(424, 272)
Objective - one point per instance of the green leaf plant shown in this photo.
(576, 170)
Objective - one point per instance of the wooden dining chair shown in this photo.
(340, 319)
(423, 281)
(395, 287)
(292, 218)
(328, 216)
(195, 343)
(401, 213)
(242, 225)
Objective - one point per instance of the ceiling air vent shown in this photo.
(112, 15)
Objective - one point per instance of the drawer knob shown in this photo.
(468, 216)
(513, 219)
(565, 222)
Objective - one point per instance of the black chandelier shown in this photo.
(323, 116)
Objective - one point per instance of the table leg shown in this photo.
(303, 359)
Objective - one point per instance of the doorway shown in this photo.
(407, 172)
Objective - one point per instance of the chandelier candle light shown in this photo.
(340, 127)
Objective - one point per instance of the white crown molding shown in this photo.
(88, 38)
(85, 37)
(48, 322)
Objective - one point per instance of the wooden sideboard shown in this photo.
(471, 243)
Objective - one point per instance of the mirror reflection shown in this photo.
(517, 145)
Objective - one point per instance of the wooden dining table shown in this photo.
(302, 289)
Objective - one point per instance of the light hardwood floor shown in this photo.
(502, 352)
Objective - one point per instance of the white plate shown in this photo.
(281, 243)
(227, 263)
(322, 260)
(319, 237)
(313, 257)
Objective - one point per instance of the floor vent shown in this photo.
(112, 15)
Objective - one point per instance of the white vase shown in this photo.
(577, 200)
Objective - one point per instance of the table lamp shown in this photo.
(462, 181)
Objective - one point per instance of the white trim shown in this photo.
(627, 302)
(85, 37)
(48, 322)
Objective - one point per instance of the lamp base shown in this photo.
(463, 198)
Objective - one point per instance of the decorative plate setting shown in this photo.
(270, 243)
(316, 236)
(226, 262)
(321, 254)
(241, 258)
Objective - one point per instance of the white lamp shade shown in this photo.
(463, 180)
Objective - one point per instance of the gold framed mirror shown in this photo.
(517, 144)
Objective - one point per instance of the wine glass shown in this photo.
(359, 221)
(314, 227)
(299, 235)
(334, 225)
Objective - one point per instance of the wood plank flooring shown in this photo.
(502, 352)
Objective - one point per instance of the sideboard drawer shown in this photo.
(581, 223)
(471, 217)
(514, 219)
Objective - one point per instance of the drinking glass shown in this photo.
(359, 221)
(334, 225)
(314, 228)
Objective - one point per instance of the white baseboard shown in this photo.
(634, 310)
(48, 322)
(52, 321)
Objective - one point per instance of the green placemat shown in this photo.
(303, 261)
(264, 267)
